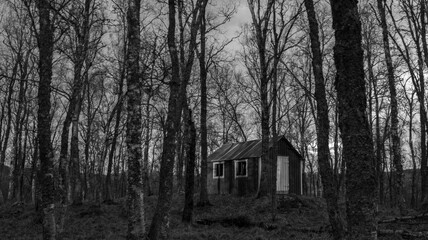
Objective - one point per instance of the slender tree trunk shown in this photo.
(9, 120)
(16, 157)
(160, 222)
(180, 161)
(260, 24)
(45, 44)
(330, 183)
(424, 160)
(108, 185)
(34, 165)
(135, 198)
(356, 134)
(396, 145)
(147, 137)
(23, 155)
(74, 156)
(203, 197)
(190, 136)
(159, 228)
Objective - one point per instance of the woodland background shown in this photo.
(137, 93)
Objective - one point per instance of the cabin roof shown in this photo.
(243, 150)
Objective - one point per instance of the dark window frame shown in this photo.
(241, 168)
(215, 170)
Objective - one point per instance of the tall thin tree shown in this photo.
(46, 45)
(134, 127)
(330, 183)
(396, 145)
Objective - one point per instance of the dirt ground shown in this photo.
(229, 218)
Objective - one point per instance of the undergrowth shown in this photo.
(230, 217)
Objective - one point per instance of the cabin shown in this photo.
(235, 168)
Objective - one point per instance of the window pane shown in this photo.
(219, 170)
(241, 168)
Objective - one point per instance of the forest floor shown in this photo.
(228, 218)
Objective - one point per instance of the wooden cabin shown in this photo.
(235, 168)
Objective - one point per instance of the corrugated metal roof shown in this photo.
(241, 150)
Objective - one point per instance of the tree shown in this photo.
(396, 145)
(329, 181)
(190, 146)
(177, 91)
(203, 197)
(261, 25)
(356, 135)
(45, 42)
(135, 196)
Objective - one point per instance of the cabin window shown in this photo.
(241, 168)
(218, 170)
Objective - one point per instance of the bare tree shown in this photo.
(329, 181)
(357, 141)
(45, 42)
(396, 145)
(260, 21)
(177, 86)
(135, 195)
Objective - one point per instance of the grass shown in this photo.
(230, 217)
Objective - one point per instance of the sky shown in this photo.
(233, 27)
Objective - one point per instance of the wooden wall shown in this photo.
(231, 185)
(248, 185)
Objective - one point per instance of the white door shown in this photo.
(282, 174)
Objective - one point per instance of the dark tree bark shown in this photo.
(135, 197)
(424, 160)
(158, 228)
(329, 181)
(16, 144)
(260, 24)
(356, 135)
(75, 174)
(396, 145)
(190, 136)
(45, 44)
(203, 197)
(177, 86)
(9, 117)
(108, 185)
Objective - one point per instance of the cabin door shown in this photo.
(282, 174)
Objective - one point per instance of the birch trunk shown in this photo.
(135, 197)
(45, 44)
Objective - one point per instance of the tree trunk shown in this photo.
(330, 183)
(45, 44)
(76, 177)
(16, 158)
(190, 136)
(23, 155)
(203, 197)
(108, 185)
(34, 166)
(260, 24)
(413, 199)
(148, 136)
(9, 119)
(135, 197)
(356, 134)
(396, 145)
(160, 223)
(424, 160)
